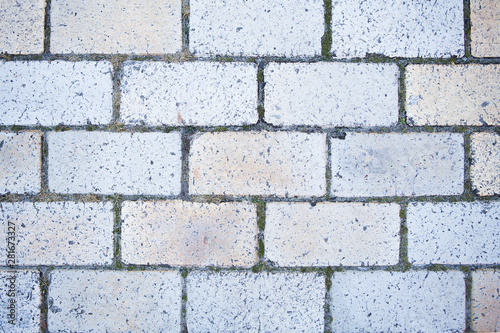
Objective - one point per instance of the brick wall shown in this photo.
(216, 166)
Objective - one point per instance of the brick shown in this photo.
(189, 93)
(485, 301)
(107, 163)
(485, 29)
(20, 162)
(249, 302)
(332, 234)
(120, 26)
(256, 27)
(453, 233)
(331, 94)
(260, 163)
(22, 26)
(446, 95)
(59, 233)
(415, 301)
(50, 93)
(413, 164)
(189, 233)
(485, 166)
(114, 301)
(398, 28)
(25, 284)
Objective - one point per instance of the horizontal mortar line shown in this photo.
(214, 198)
(264, 269)
(334, 131)
(183, 57)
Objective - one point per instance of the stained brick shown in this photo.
(20, 162)
(485, 301)
(331, 94)
(332, 234)
(485, 28)
(189, 233)
(261, 163)
(368, 164)
(107, 163)
(445, 95)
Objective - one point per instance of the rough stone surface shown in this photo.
(454, 233)
(397, 28)
(486, 301)
(107, 163)
(485, 166)
(119, 26)
(50, 93)
(256, 27)
(20, 162)
(445, 95)
(248, 302)
(398, 302)
(332, 234)
(189, 233)
(114, 301)
(485, 30)
(368, 164)
(189, 93)
(260, 163)
(22, 26)
(59, 233)
(25, 285)
(331, 94)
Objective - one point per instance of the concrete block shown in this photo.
(485, 29)
(485, 301)
(485, 166)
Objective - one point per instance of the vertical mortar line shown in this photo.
(46, 28)
(185, 148)
(184, 273)
(117, 258)
(328, 171)
(328, 314)
(45, 164)
(468, 191)
(44, 296)
(117, 73)
(326, 39)
(403, 236)
(260, 91)
(467, 28)
(185, 25)
(468, 301)
(402, 94)
(261, 225)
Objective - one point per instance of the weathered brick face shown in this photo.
(249, 166)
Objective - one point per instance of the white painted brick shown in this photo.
(485, 166)
(260, 163)
(114, 301)
(189, 233)
(485, 30)
(20, 162)
(453, 233)
(22, 26)
(59, 233)
(332, 234)
(107, 163)
(453, 95)
(189, 93)
(119, 26)
(331, 94)
(485, 301)
(249, 302)
(397, 28)
(415, 301)
(50, 93)
(256, 27)
(25, 284)
(413, 164)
